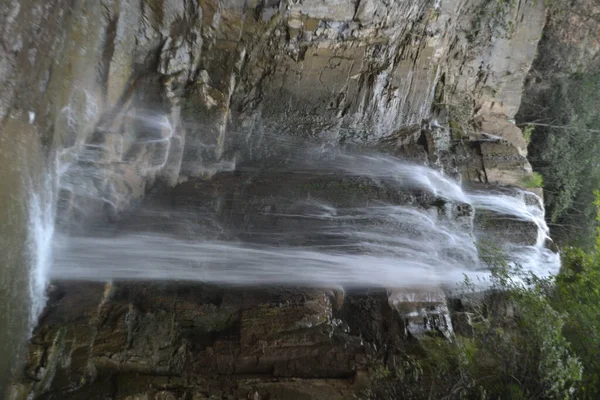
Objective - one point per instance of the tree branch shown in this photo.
(559, 127)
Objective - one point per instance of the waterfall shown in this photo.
(362, 245)
(422, 233)
(42, 214)
(355, 248)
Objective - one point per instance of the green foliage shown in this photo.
(517, 349)
(528, 133)
(559, 370)
(530, 337)
(403, 382)
(523, 335)
(564, 149)
(577, 294)
(535, 180)
(381, 372)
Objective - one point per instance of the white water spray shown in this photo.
(385, 245)
(40, 240)
(526, 207)
(376, 244)
(372, 245)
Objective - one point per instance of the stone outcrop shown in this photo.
(133, 341)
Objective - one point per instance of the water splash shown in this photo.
(526, 207)
(156, 257)
(378, 244)
(417, 243)
(40, 238)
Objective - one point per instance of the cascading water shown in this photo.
(380, 244)
(420, 235)
(528, 208)
(42, 214)
(412, 226)
(350, 247)
(27, 214)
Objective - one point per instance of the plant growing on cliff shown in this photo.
(514, 348)
(535, 180)
(528, 133)
(519, 346)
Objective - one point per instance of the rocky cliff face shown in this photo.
(227, 76)
(144, 95)
(202, 342)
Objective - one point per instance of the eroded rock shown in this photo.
(146, 95)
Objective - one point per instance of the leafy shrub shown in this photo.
(577, 295)
(531, 337)
(516, 350)
(535, 180)
(528, 133)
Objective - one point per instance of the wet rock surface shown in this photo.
(131, 340)
(176, 98)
